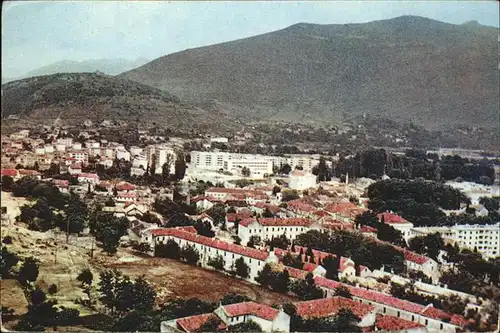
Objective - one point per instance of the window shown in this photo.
(412, 318)
(399, 314)
(441, 326)
(385, 309)
(426, 322)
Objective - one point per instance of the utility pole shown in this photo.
(67, 231)
(92, 249)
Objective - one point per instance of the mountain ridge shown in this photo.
(407, 68)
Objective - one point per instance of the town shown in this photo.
(379, 240)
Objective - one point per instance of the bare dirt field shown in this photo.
(175, 279)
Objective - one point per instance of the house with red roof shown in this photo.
(398, 223)
(211, 248)
(231, 218)
(204, 203)
(75, 169)
(390, 323)
(329, 307)
(368, 231)
(267, 228)
(11, 173)
(89, 178)
(268, 318)
(344, 211)
(29, 173)
(432, 318)
(191, 323)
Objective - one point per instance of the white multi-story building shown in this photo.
(267, 228)
(301, 180)
(80, 156)
(210, 248)
(484, 238)
(164, 154)
(67, 142)
(122, 153)
(398, 223)
(219, 140)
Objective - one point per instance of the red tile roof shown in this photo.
(301, 222)
(390, 323)
(251, 308)
(75, 166)
(28, 172)
(211, 242)
(246, 222)
(366, 228)
(193, 323)
(88, 175)
(392, 218)
(273, 209)
(298, 173)
(127, 195)
(455, 319)
(296, 273)
(326, 307)
(60, 182)
(244, 214)
(9, 172)
(125, 187)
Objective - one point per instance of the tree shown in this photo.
(276, 190)
(7, 183)
(142, 247)
(342, 291)
(288, 195)
(245, 172)
(281, 242)
(180, 167)
(217, 262)
(429, 245)
(85, 277)
(190, 255)
(7, 261)
(388, 233)
(241, 268)
(306, 289)
(345, 321)
(217, 213)
(249, 326)
(264, 276)
(52, 289)
(233, 298)
(331, 264)
(253, 241)
(28, 272)
(120, 293)
(211, 325)
(491, 204)
(108, 230)
(204, 228)
(290, 260)
(280, 281)
(285, 169)
(169, 250)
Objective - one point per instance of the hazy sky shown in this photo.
(36, 34)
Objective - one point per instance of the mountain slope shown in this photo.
(407, 68)
(107, 66)
(75, 97)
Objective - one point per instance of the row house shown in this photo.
(432, 318)
(346, 267)
(30, 173)
(22, 134)
(345, 211)
(267, 228)
(390, 324)
(268, 318)
(210, 248)
(328, 308)
(204, 203)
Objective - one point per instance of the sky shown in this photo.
(39, 33)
